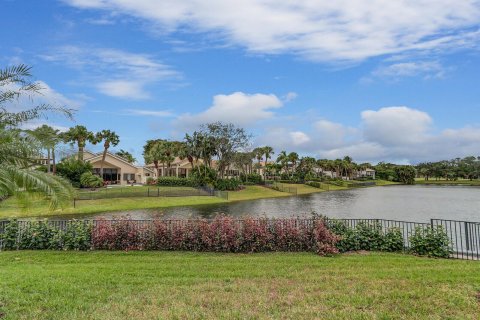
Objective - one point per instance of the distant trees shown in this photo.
(126, 155)
(466, 168)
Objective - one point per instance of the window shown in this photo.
(128, 176)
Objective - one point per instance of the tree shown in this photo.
(109, 138)
(19, 153)
(72, 169)
(282, 159)
(293, 158)
(79, 135)
(49, 138)
(126, 155)
(227, 140)
(268, 151)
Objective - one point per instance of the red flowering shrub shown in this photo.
(222, 234)
(325, 240)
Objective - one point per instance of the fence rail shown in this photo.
(108, 193)
(281, 187)
(464, 236)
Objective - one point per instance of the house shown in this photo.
(117, 170)
(366, 173)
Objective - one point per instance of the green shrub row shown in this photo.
(227, 184)
(177, 182)
(365, 236)
(41, 235)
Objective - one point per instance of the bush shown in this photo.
(9, 237)
(366, 236)
(89, 180)
(227, 184)
(223, 234)
(204, 175)
(177, 182)
(432, 242)
(252, 178)
(72, 169)
(314, 184)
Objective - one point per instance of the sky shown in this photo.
(377, 80)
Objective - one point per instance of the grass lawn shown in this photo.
(255, 192)
(303, 188)
(176, 285)
(379, 182)
(10, 208)
(460, 182)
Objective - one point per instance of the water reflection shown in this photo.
(410, 203)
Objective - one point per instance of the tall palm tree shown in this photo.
(283, 160)
(293, 159)
(19, 153)
(49, 138)
(109, 138)
(154, 154)
(79, 135)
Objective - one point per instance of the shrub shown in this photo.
(72, 169)
(366, 236)
(89, 180)
(252, 178)
(227, 184)
(151, 181)
(9, 237)
(314, 184)
(204, 175)
(38, 235)
(432, 242)
(121, 234)
(177, 182)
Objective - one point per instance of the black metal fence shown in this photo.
(464, 236)
(107, 193)
(282, 187)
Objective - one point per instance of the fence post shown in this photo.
(467, 236)
(431, 224)
(158, 192)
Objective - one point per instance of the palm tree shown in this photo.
(49, 138)
(293, 158)
(154, 154)
(19, 153)
(126, 155)
(109, 138)
(283, 159)
(79, 135)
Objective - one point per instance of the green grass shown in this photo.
(460, 182)
(165, 285)
(39, 208)
(255, 192)
(379, 182)
(303, 188)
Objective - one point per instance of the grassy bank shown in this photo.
(460, 182)
(161, 285)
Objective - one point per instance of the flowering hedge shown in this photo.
(222, 234)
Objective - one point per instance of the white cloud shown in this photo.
(396, 134)
(239, 108)
(395, 71)
(396, 125)
(115, 73)
(341, 30)
(290, 96)
(299, 138)
(152, 113)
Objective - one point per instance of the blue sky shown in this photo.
(377, 80)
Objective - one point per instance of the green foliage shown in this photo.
(177, 182)
(227, 184)
(40, 235)
(204, 175)
(252, 178)
(9, 236)
(366, 236)
(72, 169)
(405, 174)
(90, 180)
(432, 242)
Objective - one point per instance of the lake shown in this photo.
(409, 203)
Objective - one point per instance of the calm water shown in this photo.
(409, 203)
